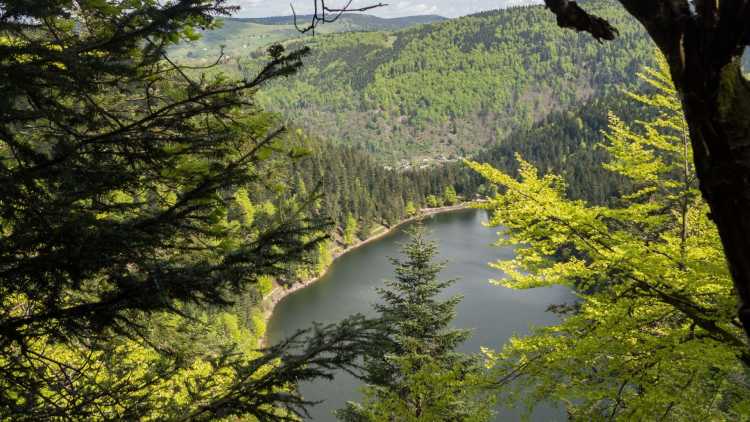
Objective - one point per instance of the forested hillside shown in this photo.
(354, 183)
(448, 89)
(568, 143)
(487, 86)
(356, 188)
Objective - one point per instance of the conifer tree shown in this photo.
(449, 196)
(127, 186)
(416, 373)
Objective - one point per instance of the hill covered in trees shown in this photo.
(567, 142)
(450, 88)
(486, 86)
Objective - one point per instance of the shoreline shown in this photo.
(279, 292)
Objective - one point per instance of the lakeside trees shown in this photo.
(353, 183)
(654, 334)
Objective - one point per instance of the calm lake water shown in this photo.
(493, 313)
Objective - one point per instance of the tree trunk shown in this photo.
(703, 42)
(716, 99)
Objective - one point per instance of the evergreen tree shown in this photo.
(350, 229)
(127, 219)
(449, 196)
(416, 373)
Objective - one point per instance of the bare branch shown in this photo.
(324, 14)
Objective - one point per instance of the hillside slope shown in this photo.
(449, 88)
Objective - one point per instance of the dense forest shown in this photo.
(568, 143)
(448, 89)
(355, 183)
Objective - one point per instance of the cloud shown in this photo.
(449, 8)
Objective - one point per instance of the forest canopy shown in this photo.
(450, 88)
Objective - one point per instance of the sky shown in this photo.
(447, 8)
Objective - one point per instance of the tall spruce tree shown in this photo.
(119, 171)
(416, 374)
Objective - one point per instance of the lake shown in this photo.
(494, 313)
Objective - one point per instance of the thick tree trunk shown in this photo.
(704, 49)
(731, 212)
(717, 109)
(703, 42)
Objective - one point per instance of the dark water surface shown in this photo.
(493, 313)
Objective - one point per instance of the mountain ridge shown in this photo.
(359, 18)
(240, 37)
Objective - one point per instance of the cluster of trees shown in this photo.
(575, 153)
(449, 88)
(359, 194)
